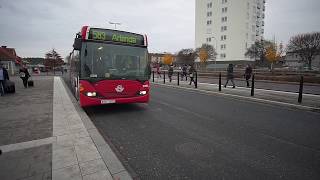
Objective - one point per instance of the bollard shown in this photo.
(196, 81)
(152, 76)
(300, 90)
(186, 77)
(220, 81)
(252, 86)
(178, 80)
(164, 77)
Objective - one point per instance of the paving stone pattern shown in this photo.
(27, 114)
(33, 163)
(75, 156)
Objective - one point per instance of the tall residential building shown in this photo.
(230, 26)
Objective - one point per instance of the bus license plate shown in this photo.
(108, 101)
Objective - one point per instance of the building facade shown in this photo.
(230, 26)
(9, 59)
(294, 61)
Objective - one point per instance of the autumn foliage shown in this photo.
(167, 59)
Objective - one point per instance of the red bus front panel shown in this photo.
(113, 91)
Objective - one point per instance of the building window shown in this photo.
(224, 19)
(223, 37)
(209, 5)
(209, 14)
(209, 22)
(223, 28)
(224, 10)
(223, 55)
(208, 39)
(224, 1)
(223, 47)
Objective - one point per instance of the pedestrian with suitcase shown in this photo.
(4, 76)
(24, 75)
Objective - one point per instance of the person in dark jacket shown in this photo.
(192, 72)
(170, 73)
(230, 75)
(184, 72)
(3, 77)
(247, 74)
(24, 75)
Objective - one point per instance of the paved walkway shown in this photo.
(66, 144)
(309, 101)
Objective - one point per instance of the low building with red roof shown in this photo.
(9, 59)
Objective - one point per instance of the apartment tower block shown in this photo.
(230, 26)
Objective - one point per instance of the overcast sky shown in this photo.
(34, 27)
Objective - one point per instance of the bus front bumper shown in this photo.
(86, 101)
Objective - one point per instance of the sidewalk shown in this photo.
(45, 135)
(309, 101)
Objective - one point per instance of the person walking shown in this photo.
(24, 75)
(247, 74)
(230, 76)
(184, 72)
(158, 71)
(192, 72)
(3, 77)
(170, 73)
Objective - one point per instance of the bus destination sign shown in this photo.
(116, 36)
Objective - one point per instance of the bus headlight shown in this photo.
(143, 92)
(91, 94)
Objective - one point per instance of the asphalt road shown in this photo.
(183, 134)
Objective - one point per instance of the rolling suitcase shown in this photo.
(10, 87)
(30, 83)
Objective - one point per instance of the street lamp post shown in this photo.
(115, 24)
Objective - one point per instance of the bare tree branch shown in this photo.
(307, 46)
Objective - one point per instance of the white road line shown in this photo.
(245, 97)
(266, 90)
(28, 144)
(256, 89)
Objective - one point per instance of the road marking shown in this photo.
(257, 89)
(244, 97)
(267, 90)
(27, 144)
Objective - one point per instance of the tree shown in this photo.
(167, 59)
(205, 52)
(53, 59)
(307, 46)
(186, 56)
(257, 50)
(274, 53)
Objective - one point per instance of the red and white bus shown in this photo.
(109, 66)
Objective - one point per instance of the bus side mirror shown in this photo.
(77, 44)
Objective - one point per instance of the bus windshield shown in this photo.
(109, 61)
